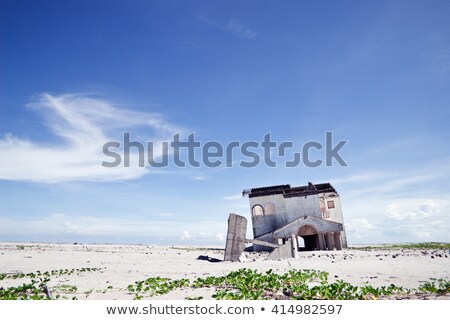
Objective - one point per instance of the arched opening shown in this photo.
(257, 210)
(269, 209)
(310, 240)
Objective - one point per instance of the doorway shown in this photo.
(309, 235)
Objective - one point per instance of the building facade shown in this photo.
(311, 212)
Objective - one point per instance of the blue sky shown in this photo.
(75, 74)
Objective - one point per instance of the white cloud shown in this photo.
(429, 207)
(412, 211)
(234, 197)
(186, 235)
(391, 184)
(424, 235)
(239, 30)
(360, 177)
(204, 234)
(232, 26)
(381, 220)
(417, 219)
(201, 237)
(404, 205)
(83, 225)
(357, 228)
(394, 211)
(220, 237)
(63, 225)
(201, 177)
(84, 124)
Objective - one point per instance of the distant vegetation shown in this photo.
(420, 246)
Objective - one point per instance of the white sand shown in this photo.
(124, 264)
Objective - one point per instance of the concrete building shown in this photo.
(311, 216)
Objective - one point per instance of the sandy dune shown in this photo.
(122, 265)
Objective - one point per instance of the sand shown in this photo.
(121, 265)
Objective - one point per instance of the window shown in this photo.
(257, 210)
(269, 209)
(330, 204)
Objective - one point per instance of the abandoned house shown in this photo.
(311, 216)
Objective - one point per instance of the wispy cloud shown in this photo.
(185, 235)
(400, 220)
(392, 206)
(220, 237)
(76, 227)
(60, 224)
(200, 177)
(84, 124)
(392, 183)
(239, 30)
(358, 228)
(360, 177)
(231, 26)
(202, 237)
(417, 219)
(234, 197)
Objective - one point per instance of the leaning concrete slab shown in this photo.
(286, 250)
(235, 245)
(283, 251)
(261, 243)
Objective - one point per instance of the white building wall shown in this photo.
(336, 212)
(268, 222)
(303, 206)
(276, 199)
(337, 215)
